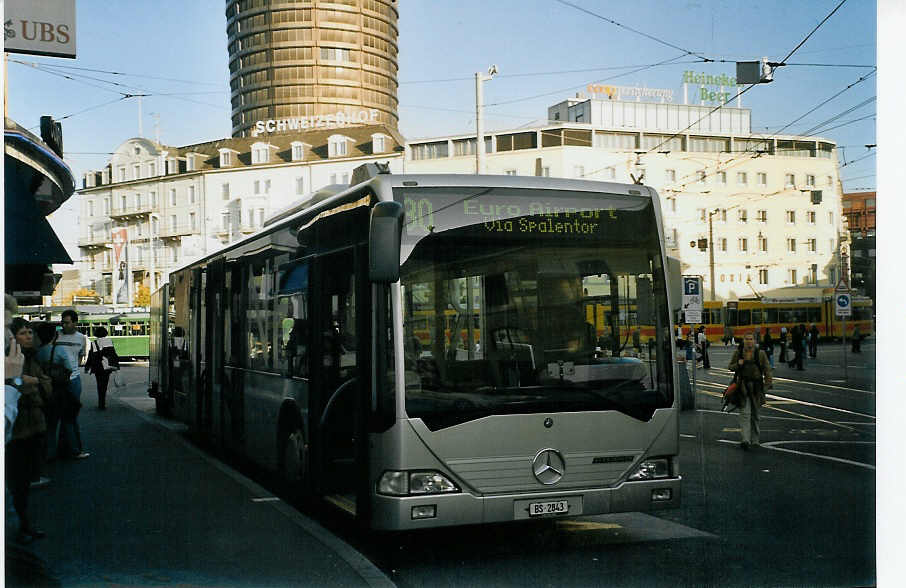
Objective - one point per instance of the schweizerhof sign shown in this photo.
(337, 119)
(631, 93)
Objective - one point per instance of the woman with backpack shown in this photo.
(102, 361)
(753, 372)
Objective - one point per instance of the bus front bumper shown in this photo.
(415, 512)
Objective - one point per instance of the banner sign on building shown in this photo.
(121, 271)
(47, 27)
(638, 93)
(338, 119)
(707, 83)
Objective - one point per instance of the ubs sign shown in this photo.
(338, 119)
(40, 28)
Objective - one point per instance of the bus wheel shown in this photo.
(293, 462)
(161, 407)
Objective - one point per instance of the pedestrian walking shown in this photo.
(803, 332)
(703, 345)
(102, 362)
(767, 344)
(798, 344)
(76, 345)
(782, 341)
(728, 335)
(753, 373)
(25, 450)
(813, 336)
(57, 364)
(857, 340)
(757, 336)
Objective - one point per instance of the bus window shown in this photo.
(757, 316)
(715, 317)
(799, 315)
(814, 315)
(744, 317)
(292, 320)
(770, 315)
(259, 314)
(786, 315)
(732, 317)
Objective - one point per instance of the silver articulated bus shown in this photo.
(430, 350)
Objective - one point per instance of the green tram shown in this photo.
(128, 331)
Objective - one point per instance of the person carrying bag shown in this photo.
(104, 363)
(753, 375)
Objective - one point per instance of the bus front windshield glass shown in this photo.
(538, 302)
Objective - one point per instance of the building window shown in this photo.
(191, 194)
(123, 202)
(743, 244)
(226, 159)
(701, 176)
(510, 172)
(742, 178)
(546, 172)
(742, 215)
(722, 178)
(136, 150)
(152, 169)
(155, 226)
(702, 214)
(809, 181)
(789, 180)
(172, 196)
(260, 153)
(138, 229)
(257, 189)
(225, 191)
(172, 222)
(762, 216)
(791, 217)
(813, 274)
(300, 185)
(722, 243)
(830, 245)
(763, 277)
(791, 245)
(122, 174)
(810, 217)
(192, 221)
(90, 208)
(813, 245)
(137, 171)
(298, 151)
(722, 215)
(671, 204)
(267, 186)
(190, 163)
(138, 201)
(172, 168)
(378, 143)
(763, 244)
(174, 254)
(762, 179)
(225, 221)
(830, 217)
(793, 278)
(671, 175)
(337, 146)
(260, 217)
(578, 171)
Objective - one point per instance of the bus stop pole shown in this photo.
(845, 367)
(694, 362)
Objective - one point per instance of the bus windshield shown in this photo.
(533, 301)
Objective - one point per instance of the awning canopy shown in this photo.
(28, 237)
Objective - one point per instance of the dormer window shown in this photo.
(260, 153)
(378, 143)
(136, 150)
(227, 157)
(298, 150)
(190, 162)
(171, 166)
(338, 145)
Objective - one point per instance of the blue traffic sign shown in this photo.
(691, 287)
(843, 300)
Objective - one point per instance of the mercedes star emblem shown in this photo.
(548, 466)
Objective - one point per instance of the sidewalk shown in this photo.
(149, 509)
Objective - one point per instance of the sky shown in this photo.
(545, 52)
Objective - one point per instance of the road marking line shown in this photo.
(266, 499)
(772, 445)
(728, 372)
(687, 436)
(811, 418)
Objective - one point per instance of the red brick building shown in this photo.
(859, 210)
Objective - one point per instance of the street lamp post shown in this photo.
(711, 250)
(479, 117)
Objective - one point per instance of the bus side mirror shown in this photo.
(384, 238)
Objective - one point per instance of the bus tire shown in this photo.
(162, 407)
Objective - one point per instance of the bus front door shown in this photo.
(337, 422)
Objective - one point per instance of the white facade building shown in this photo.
(180, 203)
(773, 234)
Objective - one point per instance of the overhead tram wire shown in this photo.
(118, 73)
(871, 153)
(790, 54)
(646, 35)
(72, 114)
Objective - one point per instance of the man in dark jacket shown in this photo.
(813, 341)
(797, 342)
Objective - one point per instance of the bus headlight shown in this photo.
(651, 469)
(430, 483)
(396, 483)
